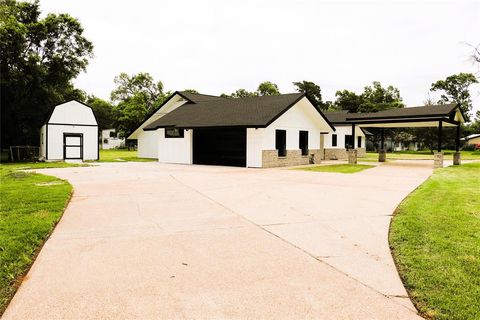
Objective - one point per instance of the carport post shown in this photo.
(438, 156)
(352, 153)
(382, 146)
(456, 154)
(440, 124)
(353, 136)
(382, 156)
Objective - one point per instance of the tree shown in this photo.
(136, 96)
(376, 98)
(40, 58)
(348, 100)
(373, 99)
(455, 90)
(268, 88)
(191, 91)
(240, 93)
(313, 92)
(103, 112)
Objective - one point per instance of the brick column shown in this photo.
(456, 158)
(382, 155)
(352, 156)
(438, 159)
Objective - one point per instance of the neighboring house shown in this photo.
(266, 131)
(390, 146)
(337, 143)
(473, 139)
(70, 132)
(110, 139)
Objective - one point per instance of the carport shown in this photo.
(220, 146)
(439, 116)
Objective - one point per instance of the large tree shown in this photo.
(136, 96)
(268, 88)
(373, 99)
(455, 90)
(313, 92)
(103, 112)
(240, 93)
(39, 60)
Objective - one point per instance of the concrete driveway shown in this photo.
(150, 241)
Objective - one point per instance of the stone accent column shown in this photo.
(438, 159)
(456, 158)
(382, 155)
(352, 156)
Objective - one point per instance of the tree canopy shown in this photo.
(313, 92)
(103, 111)
(136, 96)
(40, 58)
(455, 90)
(265, 88)
(373, 99)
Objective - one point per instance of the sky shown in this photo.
(219, 46)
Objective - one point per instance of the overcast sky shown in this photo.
(217, 46)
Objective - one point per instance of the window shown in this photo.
(359, 142)
(334, 140)
(173, 133)
(348, 141)
(281, 142)
(303, 142)
(113, 134)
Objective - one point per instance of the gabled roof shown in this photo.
(442, 110)
(198, 97)
(211, 111)
(337, 116)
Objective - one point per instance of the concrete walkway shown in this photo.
(150, 241)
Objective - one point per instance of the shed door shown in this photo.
(73, 146)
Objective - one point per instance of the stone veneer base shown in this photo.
(270, 158)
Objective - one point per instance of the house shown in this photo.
(266, 131)
(70, 132)
(111, 140)
(337, 143)
(473, 139)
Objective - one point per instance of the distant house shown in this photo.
(337, 143)
(110, 139)
(473, 139)
(69, 133)
(266, 131)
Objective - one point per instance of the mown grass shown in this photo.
(423, 155)
(30, 206)
(339, 168)
(121, 155)
(435, 240)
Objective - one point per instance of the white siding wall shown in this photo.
(175, 150)
(301, 117)
(73, 112)
(55, 141)
(148, 144)
(341, 132)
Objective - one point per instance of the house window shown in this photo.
(173, 133)
(281, 142)
(348, 141)
(113, 134)
(359, 142)
(303, 142)
(334, 140)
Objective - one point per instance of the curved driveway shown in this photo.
(150, 241)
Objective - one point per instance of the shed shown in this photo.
(70, 133)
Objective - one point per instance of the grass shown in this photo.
(340, 168)
(435, 241)
(30, 206)
(423, 155)
(121, 155)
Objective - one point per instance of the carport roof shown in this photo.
(252, 112)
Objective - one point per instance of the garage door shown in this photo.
(226, 147)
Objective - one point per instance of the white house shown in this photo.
(265, 131)
(111, 140)
(337, 143)
(70, 132)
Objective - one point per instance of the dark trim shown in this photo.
(70, 124)
(387, 118)
(457, 139)
(46, 141)
(98, 143)
(155, 111)
(72, 134)
(358, 122)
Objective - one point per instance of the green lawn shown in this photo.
(422, 155)
(435, 240)
(340, 168)
(30, 206)
(121, 155)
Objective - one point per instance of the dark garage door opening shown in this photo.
(224, 147)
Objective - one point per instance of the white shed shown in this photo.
(70, 133)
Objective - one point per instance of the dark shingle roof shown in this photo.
(198, 97)
(441, 110)
(337, 116)
(224, 112)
